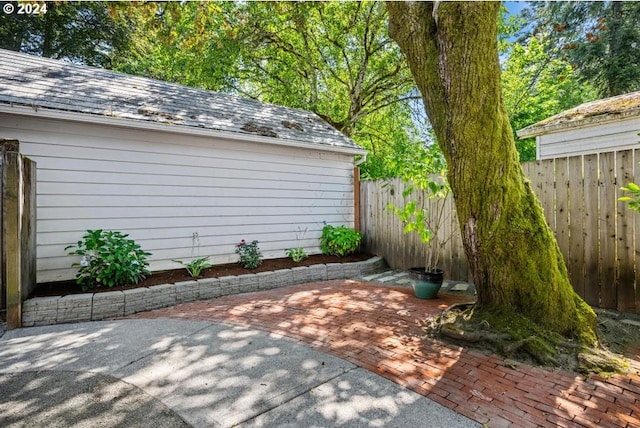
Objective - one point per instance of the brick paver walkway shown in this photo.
(378, 328)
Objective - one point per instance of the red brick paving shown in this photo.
(378, 328)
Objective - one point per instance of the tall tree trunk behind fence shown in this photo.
(18, 239)
(598, 235)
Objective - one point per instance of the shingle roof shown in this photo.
(43, 83)
(621, 106)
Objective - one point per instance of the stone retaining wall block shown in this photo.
(187, 291)
(229, 285)
(209, 288)
(371, 266)
(301, 274)
(247, 283)
(161, 296)
(136, 300)
(335, 271)
(266, 280)
(40, 311)
(75, 308)
(351, 270)
(318, 272)
(107, 305)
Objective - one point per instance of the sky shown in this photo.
(515, 7)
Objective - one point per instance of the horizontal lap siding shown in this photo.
(619, 135)
(178, 196)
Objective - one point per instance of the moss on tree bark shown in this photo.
(451, 48)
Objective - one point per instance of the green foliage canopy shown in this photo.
(536, 86)
(84, 32)
(600, 39)
(191, 43)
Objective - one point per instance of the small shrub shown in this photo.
(250, 255)
(108, 259)
(196, 266)
(296, 254)
(339, 241)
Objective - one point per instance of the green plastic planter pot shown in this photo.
(426, 284)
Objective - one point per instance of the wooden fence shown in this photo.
(383, 231)
(598, 235)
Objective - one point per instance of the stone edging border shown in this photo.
(98, 306)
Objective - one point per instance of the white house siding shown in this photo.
(178, 196)
(592, 138)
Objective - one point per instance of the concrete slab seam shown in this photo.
(314, 386)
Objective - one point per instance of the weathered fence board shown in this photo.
(636, 224)
(547, 190)
(17, 224)
(599, 236)
(576, 209)
(562, 209)
(591, 230)
(625, 272)
(607, 194)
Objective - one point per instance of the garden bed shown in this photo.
(64, 288)
(171, 287)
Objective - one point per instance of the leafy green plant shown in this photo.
(108, 259)
(196, 266)
(424, 210)
(339, 241)
(296, 254)
(634, 199)
(250, 255)
(426, 216)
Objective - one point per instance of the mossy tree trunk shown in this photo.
(516, 265)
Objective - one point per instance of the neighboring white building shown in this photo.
(598, 126)
(185, 172)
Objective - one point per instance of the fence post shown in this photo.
(356, 198)
(18, 230)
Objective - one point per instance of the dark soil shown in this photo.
(63, 288)
(619, 332)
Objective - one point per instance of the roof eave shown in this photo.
(541, 129)
(171, 127)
